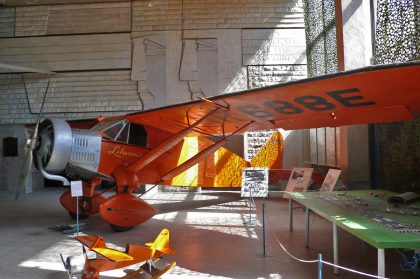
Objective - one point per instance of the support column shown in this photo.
(335, 245)
(307, 227)
(381, 262)
(290, 214)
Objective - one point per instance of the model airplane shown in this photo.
(110, 259)
(155, 146)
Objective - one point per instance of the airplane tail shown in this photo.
(161, 243)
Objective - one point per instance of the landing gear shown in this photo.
(87, 205)
(124, 211)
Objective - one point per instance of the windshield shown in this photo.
(123, 131)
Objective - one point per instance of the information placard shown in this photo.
(330, 180)
(254, 182)
(299, 180)
(76, 188)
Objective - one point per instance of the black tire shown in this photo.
(81, 216)
(116, 228)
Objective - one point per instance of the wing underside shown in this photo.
(374, 94)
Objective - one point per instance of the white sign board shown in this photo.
(273, 46)
(76, 188)
(299, 180)
(254, 182)
(330, 180)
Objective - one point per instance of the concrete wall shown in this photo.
(114, 56)
(10, 167)
(354, 140)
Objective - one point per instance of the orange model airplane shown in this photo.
(110, 259)
(165, 145)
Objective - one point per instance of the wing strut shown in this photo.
(166, 145)
(201, 155)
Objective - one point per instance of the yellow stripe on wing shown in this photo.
(113, 255)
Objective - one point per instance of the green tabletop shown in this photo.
(367, 215)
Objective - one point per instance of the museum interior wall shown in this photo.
(116, 57)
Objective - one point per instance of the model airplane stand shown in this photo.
(150, 269)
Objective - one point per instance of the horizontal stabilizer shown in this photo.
(113, 255)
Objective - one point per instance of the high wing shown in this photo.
(113, 255)
(373, 94)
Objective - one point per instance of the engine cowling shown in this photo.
(60, 148)
(55, 145)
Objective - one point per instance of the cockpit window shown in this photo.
(124, 131)
(114, 130)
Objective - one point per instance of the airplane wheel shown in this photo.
(81, 216)
(116, 228)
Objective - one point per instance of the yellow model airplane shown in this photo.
(109, 259)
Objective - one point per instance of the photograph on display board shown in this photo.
(299, 180)
(330, 180)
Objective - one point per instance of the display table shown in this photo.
(366, 215)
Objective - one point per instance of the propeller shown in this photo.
(66, 267)
(32, 143)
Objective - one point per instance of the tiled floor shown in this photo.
(210, 232)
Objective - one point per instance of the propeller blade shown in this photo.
(31, 145)
(66, 267)
(24, 174)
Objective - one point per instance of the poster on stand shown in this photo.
(330, 180)
(299, 180)
(254, 182)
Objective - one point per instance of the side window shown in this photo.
(137, 135)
